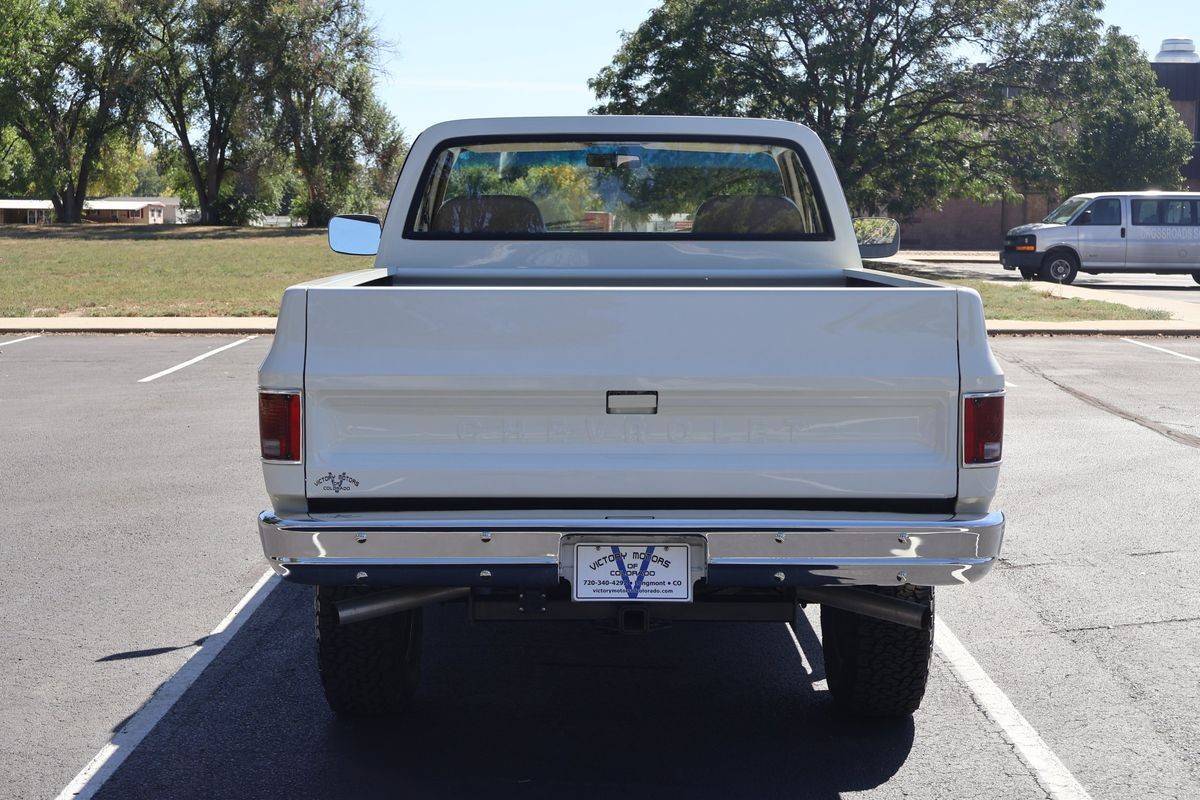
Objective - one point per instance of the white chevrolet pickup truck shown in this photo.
(627, 370)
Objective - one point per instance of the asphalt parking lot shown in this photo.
(129, 537)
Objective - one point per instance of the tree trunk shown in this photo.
(69, 206)
(319, 207)
(214, 171)
(319, 215)
(208, 211)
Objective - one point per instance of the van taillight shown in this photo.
(983, 428)
(279, 425)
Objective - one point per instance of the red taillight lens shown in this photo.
(983, 429)
(279, 426)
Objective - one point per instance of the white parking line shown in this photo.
(1048, 770)
(1050, 773)
(1010, 385)
(105, 763)
(191, 361)
(22, 339)
(1159, 349)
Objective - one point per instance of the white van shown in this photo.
(1155, 232)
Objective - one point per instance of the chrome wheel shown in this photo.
(1059, 269)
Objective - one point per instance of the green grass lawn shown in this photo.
(188, 271)
(1017, 300)
(121, 271)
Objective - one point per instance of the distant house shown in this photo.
(26, 212)
(170, 207)
(139, 211)
(119, 210)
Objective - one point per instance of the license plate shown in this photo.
(632, 572)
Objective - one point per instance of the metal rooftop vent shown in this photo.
(1177, 51)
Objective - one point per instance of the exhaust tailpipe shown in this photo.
(380, 604)
(869, 604)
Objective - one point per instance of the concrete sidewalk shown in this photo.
(950, 256)
(137, 324)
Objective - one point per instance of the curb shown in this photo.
(266, 325)
(137, 325)
(954, 260)
(911, 261)
(1073, 329)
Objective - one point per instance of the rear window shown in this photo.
(618, 189)
(1164, 212)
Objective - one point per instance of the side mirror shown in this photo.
(355, 234)
(1085, 218)
(878, 237)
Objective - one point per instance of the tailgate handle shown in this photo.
(633, 402)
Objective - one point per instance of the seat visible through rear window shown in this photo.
(488, 213)
(748, 214)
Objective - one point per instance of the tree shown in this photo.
(16, 165)
(203, 64)
(68, 82)
(913, 98)
(1126, 135)
(322, 91)
(126, 167)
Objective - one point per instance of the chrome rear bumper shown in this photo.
(379, 549)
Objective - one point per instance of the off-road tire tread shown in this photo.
(876, 668)
(368, 668)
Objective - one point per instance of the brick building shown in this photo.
(1177, 66)
(962, 224)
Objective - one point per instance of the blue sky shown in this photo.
(483, 58)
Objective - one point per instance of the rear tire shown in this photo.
(877, 668)
(1060, 266)
(368, 668)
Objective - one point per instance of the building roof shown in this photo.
(105, 204)
(163, 200)
(22, 204)
(1177, 51)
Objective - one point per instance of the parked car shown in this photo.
(1156, 232)
(627, 370)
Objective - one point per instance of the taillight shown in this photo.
(983, 429)
(279, 425)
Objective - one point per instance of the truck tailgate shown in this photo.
(762, 392)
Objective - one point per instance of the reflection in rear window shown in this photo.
(523, 189)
